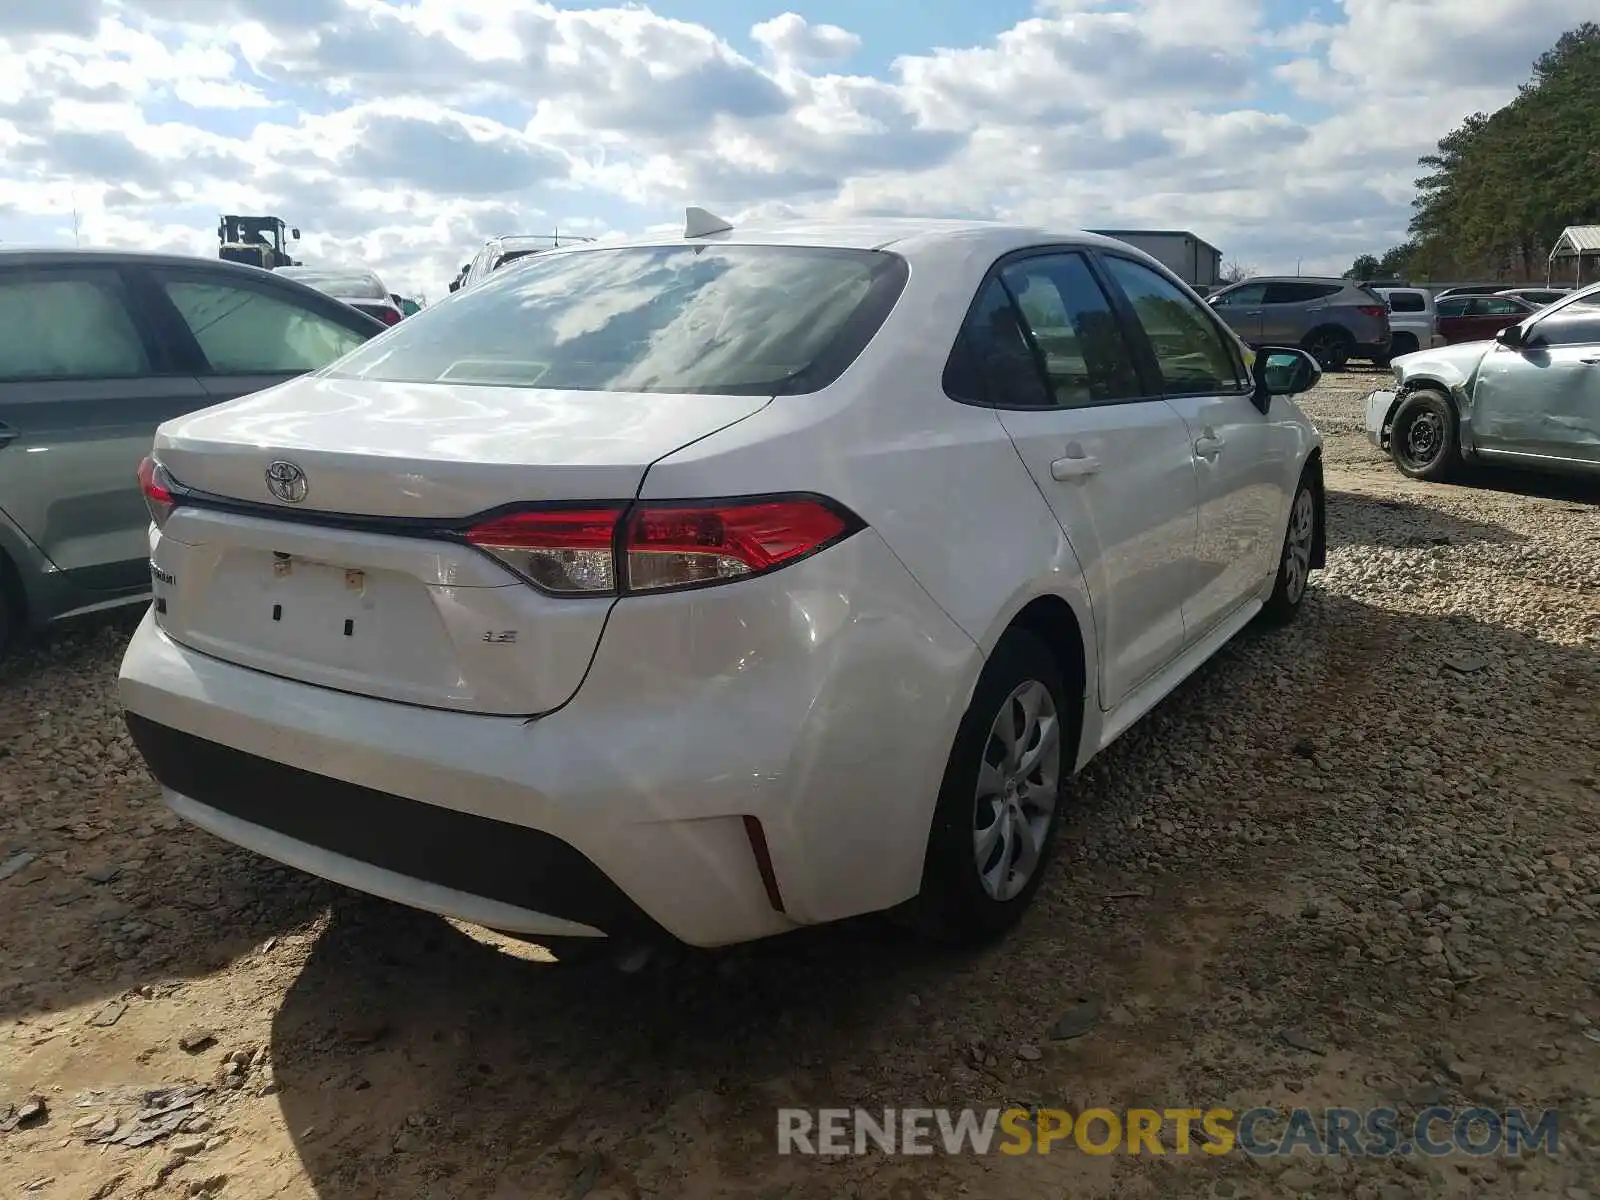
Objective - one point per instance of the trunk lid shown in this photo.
(389, 608)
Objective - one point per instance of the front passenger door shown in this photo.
(1241, 308)
(1244, 461)
(1112, 460)
(1541, 400)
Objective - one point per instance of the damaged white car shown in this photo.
(1529, 398)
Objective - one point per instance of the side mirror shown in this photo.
(295, 234)
(1284, 371)
(1511, 337)
(455, 285)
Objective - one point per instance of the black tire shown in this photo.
(954, 906)
(11, 611)
(1294, 559)
(1424, 438)
(1330, 346)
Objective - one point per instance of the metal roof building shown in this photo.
(1577, 242)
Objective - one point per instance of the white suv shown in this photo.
(715, 585)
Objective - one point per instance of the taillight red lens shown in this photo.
(567, 552)
(580, 551)
(1375, 310)
(155, 483)
(390, 317)
(670, 547)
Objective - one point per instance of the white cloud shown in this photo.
(401, 134)
(791, 38)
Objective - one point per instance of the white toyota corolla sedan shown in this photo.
(713, 585)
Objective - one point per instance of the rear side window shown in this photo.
(1406, 302)
(1495, 306)
(1191, 351)
(1075, 332)
(68, 325)
(1456, 306)
(242, 331)
(992, 362)
(731, 320)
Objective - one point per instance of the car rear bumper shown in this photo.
(820, 701)
(1377, 407)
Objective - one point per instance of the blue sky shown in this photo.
(399, 133)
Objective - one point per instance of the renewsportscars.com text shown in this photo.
(1259, 1132)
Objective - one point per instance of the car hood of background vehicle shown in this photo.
(1448, 364)
(437, 449)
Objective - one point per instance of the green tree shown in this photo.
(1365, 267)
(1501, 187)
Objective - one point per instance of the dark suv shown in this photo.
(1335, 320)
(97, 348)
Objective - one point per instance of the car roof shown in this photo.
(908, 236)
(332, 277)
(82, 255)
(1300, 279)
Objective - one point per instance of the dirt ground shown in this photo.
(1355, 862)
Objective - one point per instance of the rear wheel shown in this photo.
(1424, 440)
(1330, 347)
(996, 817)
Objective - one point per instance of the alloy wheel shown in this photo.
(1018, 785)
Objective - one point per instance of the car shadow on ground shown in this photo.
(1544, 485)
(1355, 519)
(408, 1051)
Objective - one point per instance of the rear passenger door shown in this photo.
(244, 335)
(1111, 458)
(84, 381)
(1244, 461)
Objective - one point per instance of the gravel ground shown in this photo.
(1354, 862)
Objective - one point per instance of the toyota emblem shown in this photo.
(286, 481)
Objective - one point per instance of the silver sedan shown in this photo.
(1529, 398)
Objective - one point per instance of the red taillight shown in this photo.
(389, 316)
(568, 551)
(155, 483)
(659, 547)
(1374, 310)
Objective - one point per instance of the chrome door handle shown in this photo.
(1078, 466)
(1253, 313)
(1208, 446)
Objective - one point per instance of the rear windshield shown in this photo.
(1407, 302)
(735, 320)
(341, 283)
